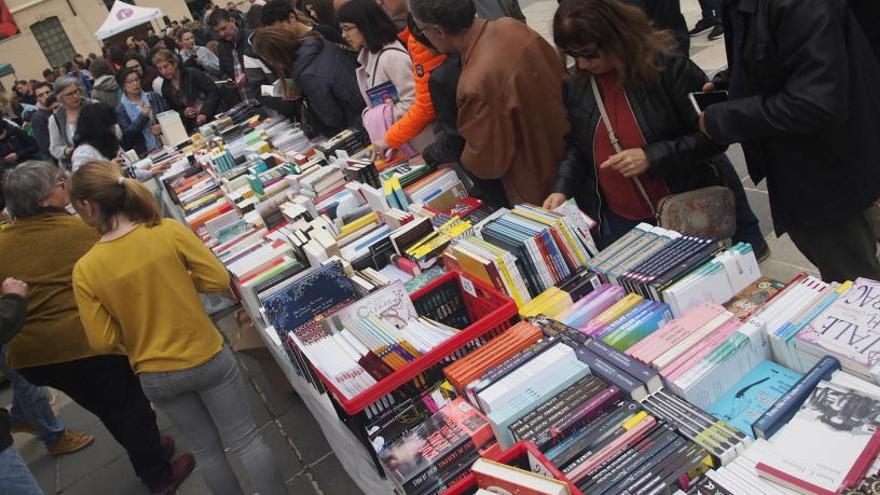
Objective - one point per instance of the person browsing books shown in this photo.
(385, 76)
(96, 136)
(138, 288)
(321, 72)
(511, 112)
(40, 247)
(644, 84)
(188, 91)
(803, 102)
(137, 112)
(421, 113)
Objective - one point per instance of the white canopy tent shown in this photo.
(124, 16)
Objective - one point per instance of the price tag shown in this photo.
(468, 286)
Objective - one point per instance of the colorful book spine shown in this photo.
(626, 363)
(785, 408)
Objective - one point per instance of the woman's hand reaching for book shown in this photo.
(630, 163)
(554, 200)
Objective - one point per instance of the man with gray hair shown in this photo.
(509, 96)
(62, 124)
(41, 247)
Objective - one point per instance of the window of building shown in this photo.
(53, 41)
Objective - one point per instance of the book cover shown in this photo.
(310, 296)
(783, 409)
(458, 431)
(752, 396)
(849, 329)
(753, 297)
(828, 443)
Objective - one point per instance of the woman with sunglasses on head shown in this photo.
(645, 86)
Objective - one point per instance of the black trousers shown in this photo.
(843, 251)
(108, 388)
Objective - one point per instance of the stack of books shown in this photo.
(681, 270)
(440, 451)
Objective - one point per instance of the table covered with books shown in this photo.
(446, 346)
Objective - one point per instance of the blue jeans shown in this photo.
(31, 402)
(209, 406)
(15, 477)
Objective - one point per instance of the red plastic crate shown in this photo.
(479, 310)
(514, 456)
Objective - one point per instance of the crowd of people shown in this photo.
(605, 117)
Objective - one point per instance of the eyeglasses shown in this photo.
(592, 54)
(63, 180)
(69, 94)
(347, 27)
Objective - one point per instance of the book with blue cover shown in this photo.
(752, 396)
(312, 295)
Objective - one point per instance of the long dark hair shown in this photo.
(95, 127)
(374, 24)
(324, 13)
(621, 31)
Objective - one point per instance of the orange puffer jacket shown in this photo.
(421, 113)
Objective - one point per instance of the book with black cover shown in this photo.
(456, 434)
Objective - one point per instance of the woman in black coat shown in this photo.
(188, 91)
(645, 85)
(323, 74)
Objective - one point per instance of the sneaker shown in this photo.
(23, 426)
(180, 469)
(69, 442)
(702, 25)
(167, 444)
(717, 32)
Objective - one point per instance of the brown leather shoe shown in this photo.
(23, 426)
(69, 442)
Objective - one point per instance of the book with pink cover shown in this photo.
(674, 332)
(694, 355)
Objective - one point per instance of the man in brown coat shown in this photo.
(510, 109)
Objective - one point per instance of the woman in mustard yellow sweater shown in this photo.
(138, 287)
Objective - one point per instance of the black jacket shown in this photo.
(677, 152)
(17, 141)
(666, 14)
(448, 143)
(867, 12)
(13, 309)
(241, 49)
(325, 74)
(804, 105)
(195, 87)
(40, 121)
